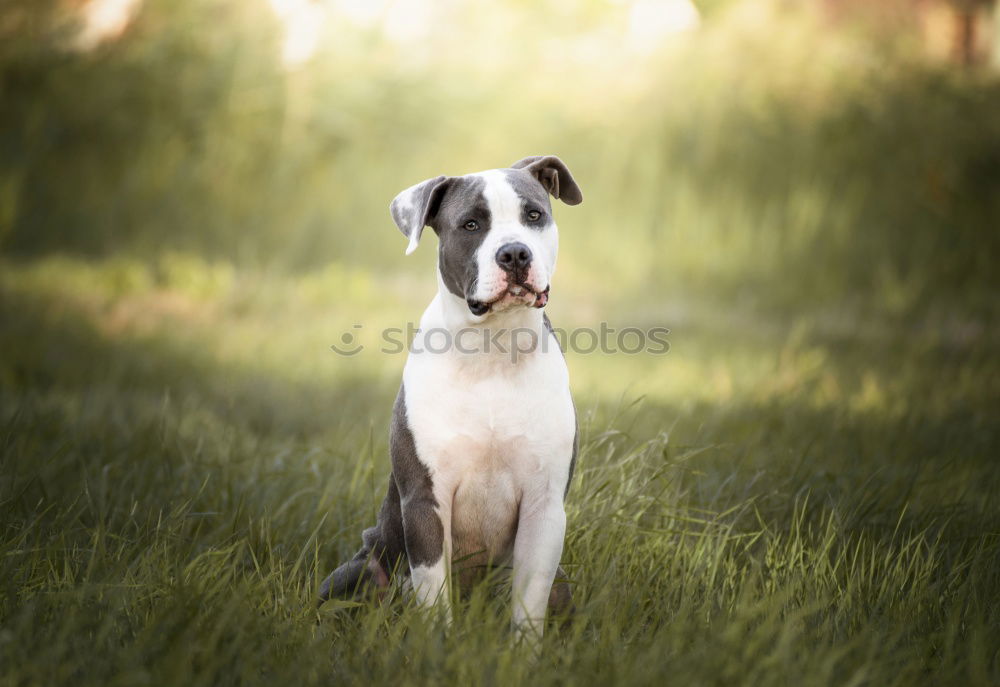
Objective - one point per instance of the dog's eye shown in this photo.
(471, 225)
(534, 215)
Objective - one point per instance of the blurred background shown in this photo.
(194, 207)
(741, 160)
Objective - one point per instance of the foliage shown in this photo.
(765, 144)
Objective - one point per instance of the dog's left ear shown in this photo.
(415, 208)
(553, 174)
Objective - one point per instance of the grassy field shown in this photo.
(788, 502)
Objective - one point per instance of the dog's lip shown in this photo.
(540, 300)
(521, 288)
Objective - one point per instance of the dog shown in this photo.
(483, 436)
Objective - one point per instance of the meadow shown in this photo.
(802, 490)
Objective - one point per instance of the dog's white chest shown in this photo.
(490, 432)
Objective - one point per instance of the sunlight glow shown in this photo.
(652, 21)
(644, 25)
(303, 20)
(104, 20)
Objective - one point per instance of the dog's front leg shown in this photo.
(538, 546)
(428, 546)
(426, 521)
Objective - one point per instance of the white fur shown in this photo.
(506, 227)
(402, 205)
(430, 585)
(495, 432)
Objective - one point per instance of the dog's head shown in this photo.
(497, 237)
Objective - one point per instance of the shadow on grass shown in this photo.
(164, 409)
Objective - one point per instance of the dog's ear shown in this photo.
(553, 174)
(414, 208)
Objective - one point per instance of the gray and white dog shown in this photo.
(483, 442)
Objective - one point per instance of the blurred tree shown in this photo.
(833, 157)
(153, 133)
(971, 16)
(967, 23)
(710, 7)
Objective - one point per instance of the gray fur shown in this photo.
(407, 531)
(412, 217)
(576, 418)
(352, 579)
(422, 528)
(457, 245)
(553, 174)
(533, 196)
(561, 597)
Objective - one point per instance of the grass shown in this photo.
(786, 501)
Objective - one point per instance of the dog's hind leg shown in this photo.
(381, 554)
(561, 606)
(355, 578)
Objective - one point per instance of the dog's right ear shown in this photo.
(414, 208)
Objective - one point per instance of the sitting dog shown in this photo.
(483, 436)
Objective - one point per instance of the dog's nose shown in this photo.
(513, 256)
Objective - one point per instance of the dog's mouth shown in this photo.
(515, 294)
